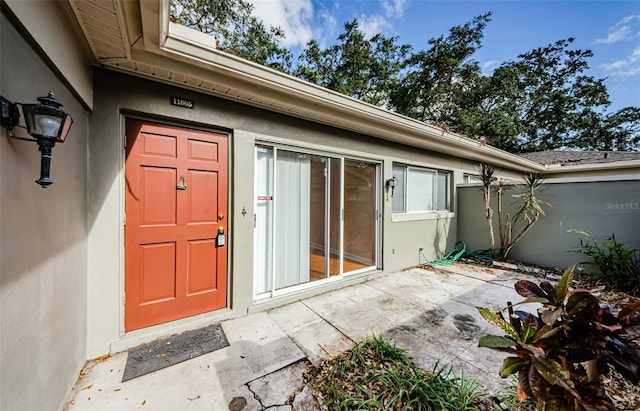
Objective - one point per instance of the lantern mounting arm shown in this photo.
(45, 122)
(12, 135)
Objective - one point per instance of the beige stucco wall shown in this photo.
(43, 250)
(602, 207)
(63, 49)
(118, 95)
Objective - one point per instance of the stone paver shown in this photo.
(429, 312)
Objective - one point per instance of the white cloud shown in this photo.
(622, 30)
(625, 68)
(372, 25)
(488, 66)
(394, 8)
(635, 55)
(295, 17)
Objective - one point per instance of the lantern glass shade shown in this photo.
(45, 121)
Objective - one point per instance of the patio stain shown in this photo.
(433, 317)
(466, 325)
(428, 319)
(237, 403)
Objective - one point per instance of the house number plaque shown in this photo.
(182, 102)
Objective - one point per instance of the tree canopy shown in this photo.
(365, 69)
(542, 100)
(236, 29)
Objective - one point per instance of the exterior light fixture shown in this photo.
(391, 184)
(45, 122)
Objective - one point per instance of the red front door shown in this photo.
(176, 204)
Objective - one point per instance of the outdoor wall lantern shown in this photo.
(391, 184)
(45, 122)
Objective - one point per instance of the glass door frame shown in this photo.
(331, 156)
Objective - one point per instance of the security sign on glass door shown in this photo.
(176, 223)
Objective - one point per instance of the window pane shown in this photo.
(471, 178)
(293, 192)
(443, 191)
(360, 191)
(420, 189)
(264, 219)
(318, 210)
(399, 173)
(335, 195)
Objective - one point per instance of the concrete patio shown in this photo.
(429, 312)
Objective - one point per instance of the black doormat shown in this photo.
(173, 350)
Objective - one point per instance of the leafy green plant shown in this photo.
(376, 375)
(612, 261)
(556, 353)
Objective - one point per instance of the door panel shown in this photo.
(158, 262)
(201, 267)
(157, 188)
(176, 200)
(202, 192)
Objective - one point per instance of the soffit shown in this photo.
(102, 24)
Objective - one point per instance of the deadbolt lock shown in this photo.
(220, 217)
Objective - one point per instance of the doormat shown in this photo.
(173, 350)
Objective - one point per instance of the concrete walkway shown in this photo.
(429, 312)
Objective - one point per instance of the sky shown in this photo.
(610, 29)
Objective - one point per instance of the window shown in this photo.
(471, 179)
(420, 189)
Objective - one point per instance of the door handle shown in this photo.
(182, 185)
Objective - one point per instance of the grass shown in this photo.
(377, 375)
(510, 397)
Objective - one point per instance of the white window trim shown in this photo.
(399, 216)
(421, 215)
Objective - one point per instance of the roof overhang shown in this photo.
(138, 38)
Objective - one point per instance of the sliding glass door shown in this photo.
(360, 215)
(316, 218)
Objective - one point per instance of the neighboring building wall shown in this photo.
(42, 244)
(602, 207)
(117, 95)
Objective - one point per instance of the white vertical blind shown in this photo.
(421, 184)
(292, 219)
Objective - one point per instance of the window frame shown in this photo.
(402, 188)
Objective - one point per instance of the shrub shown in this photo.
(612, 262)
(556, 353)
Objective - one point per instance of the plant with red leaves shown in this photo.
(559, 352)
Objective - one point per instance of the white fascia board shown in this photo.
(193, 48)
(632, 165)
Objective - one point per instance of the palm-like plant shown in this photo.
(529, 210)
(488, 177)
